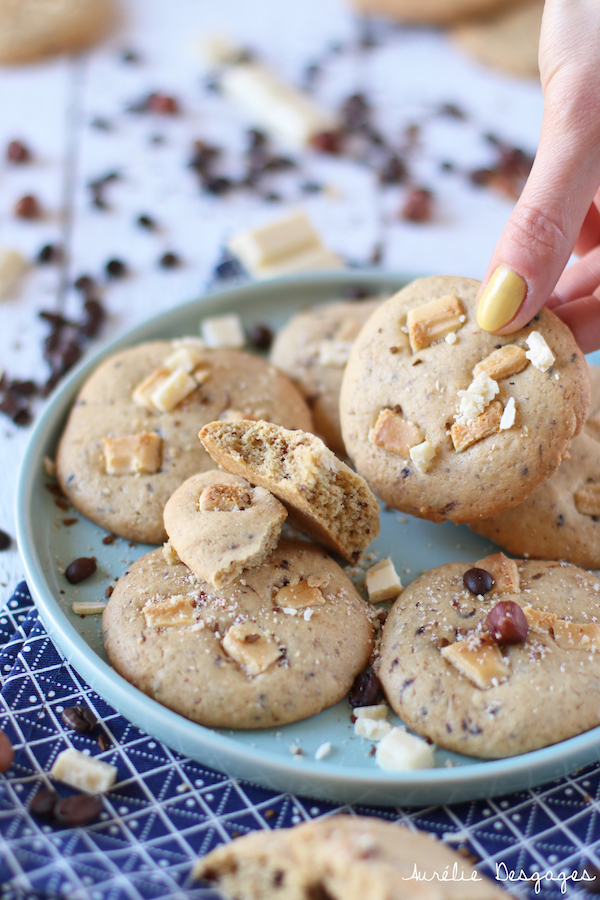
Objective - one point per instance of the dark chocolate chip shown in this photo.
(43, 803)
(506, 623)
(49, 253)
(365, 690)
(478, 581)
(7, 753)
(79, 718)
(169, 261)
(80, 568)
(260, 336)
(78, 809)
(5, 540)
(115, 268)
(84, 283)
(109, 539)
(217, 186)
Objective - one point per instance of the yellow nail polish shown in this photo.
(502, 297)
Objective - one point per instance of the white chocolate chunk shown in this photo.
(174, 389)
(323, 750)
(451, 337)
(142, 394)
(334, 353)
(223, 331)
(217, 50)
(371, 729)
(587, 499)
(507, 420)
(12, 266)
(88, 607)
(382, 581)
(315, 259)
(477, 397)
(575, 636)
(465, 434)
(395, 433)
(379, 711)
(539, 353)
(250, 647)
(174, 612)
(504, 571)
(434, 320)
(503, 362)
(422, 455)
(478, 659)
(133, 453)
(86, 773)
(183, 358)
(400, 751)
(169, 554)
(298, 596)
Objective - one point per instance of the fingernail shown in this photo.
(502, 297)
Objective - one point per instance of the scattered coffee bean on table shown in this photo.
(80, 568)
(78, 809)
(79, 718)
(17, 152)
(7, 753)
(44, 802)
(28, 207)
(5, 540)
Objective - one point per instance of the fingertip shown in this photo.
(582, 316)
(501, 299)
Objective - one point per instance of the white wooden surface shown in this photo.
(50, 105)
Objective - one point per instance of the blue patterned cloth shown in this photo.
(166, 810)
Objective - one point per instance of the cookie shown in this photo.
(509, 40)
(561, 519)
(431, 12)
(219, 525)
(325, 499)
(131, 438)
(313, 349)
(33, 29)
(343, 858)
(450, 672)
(278, 645)
(446, 421)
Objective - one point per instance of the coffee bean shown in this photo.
(365, 690)
(22, 417)
(49, 254)
(327, 142)
(43, 803)
(417, 206)
(260, 336)
(5, 540)
(506, 623)
(28, 207)
(217, 186)
(169, 261)
(78, 809)
(84, 283)
(94, 317)
(79, 718)
(17, 152)
(7, 754)
(478, 581)
(146, 222)
(115, 268)
(161, 103)
(394, 171)
(23, 388)
(80, 568)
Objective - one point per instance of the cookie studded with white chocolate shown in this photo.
(459, 429)
(497, 657)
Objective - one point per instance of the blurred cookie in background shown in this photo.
(507, 41)
(432, 12)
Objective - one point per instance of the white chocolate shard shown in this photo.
(169, 554)
(184, 358)
(393, 432)
(223, 331)
(539, 620)
(465, 434)
(225, 498)
(88, 607)
(479, 659)
(371, 729)
(575, 636)
(382, 581)
(142, 393)
(504, 571)
(476, 398)
(379, 711)
(133, 453)
(174, 612)
(507, 420)
(539, 353)
(434, 320)
(503, 362)
(298, 596)
(400, 751)
(12, 265)
(173, 390)
(251, 648)
(86, 773)
(422, 456)
(587, 499)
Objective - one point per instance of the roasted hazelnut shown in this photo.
(506, 623)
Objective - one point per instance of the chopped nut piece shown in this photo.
(539, 620)
(587, 499)
(169, 554)
(504, 571)
(478, 660)
(501, 363)
(133, 453)
(539, 353)
(422, 455)
(433, 321)
(223, 331)
(465, 434)
(395, 433)
(476, 398)
(225, 498)
(250, 648)
(379, 711)
(400, 751)
(173, 612)
(184, 358)
(298, 596)
(88, 607)
(86, 773)
(176, 387)
(573, 636)
(508, 416)
(142, 394)
(371, 729)
(382, 581)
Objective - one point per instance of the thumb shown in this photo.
(542, 230)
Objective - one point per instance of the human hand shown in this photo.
(555, 213)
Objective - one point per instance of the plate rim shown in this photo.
(323, 780)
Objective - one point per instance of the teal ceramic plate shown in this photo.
(348, 774)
